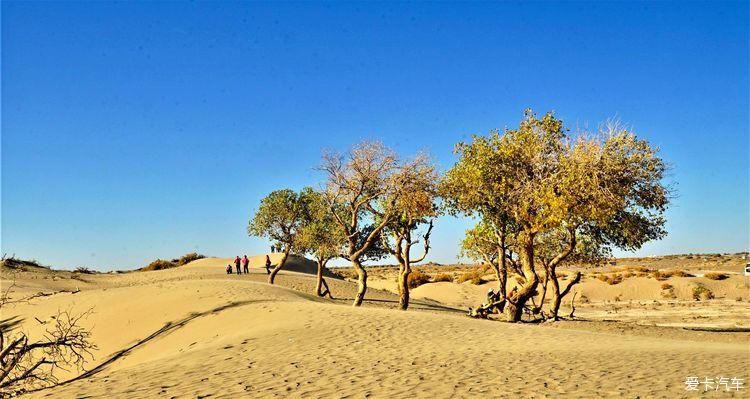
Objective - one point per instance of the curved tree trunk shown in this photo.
(361, 283)
(514, 308)
(275, 271)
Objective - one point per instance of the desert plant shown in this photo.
(611, 279)
(475, 277)
(667, 286)
(680, 273)
(716, 276)
(443, 277)
(417, 278)
(159, 264)
(187, 258)
(83, 270)
(700, 292)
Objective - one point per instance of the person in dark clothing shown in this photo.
(268, 264)
(245, 264)
(229, 269)
(237, 264)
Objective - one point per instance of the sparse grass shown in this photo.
(611, 279)
(716, 276)
(680, 273)
(701, 293)
(417, 278)
(441, 277)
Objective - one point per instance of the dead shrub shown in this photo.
(667, 286)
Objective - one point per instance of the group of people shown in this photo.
(243, 265)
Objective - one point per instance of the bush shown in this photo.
(187, 258)
(475, 277)
(440, 277)
(83, 270)
(702, 293)
(659, 276)
(668, 291)
(159, 264)
(610, 279)
(716, 276)
(417, 278)
(680, 273)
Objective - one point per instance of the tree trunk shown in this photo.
(361, 282)
(319, 279)
(272, 276)
(514, 309)
(556, 298)
(403, 287)
(559, 296)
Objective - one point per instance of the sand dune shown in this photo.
(194, 331)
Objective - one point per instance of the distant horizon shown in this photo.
(137, 131)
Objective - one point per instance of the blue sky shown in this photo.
(132, 131)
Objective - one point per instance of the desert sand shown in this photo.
(195, 332)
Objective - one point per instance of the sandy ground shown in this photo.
(196, 332)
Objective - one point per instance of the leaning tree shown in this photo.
(538, 180)
(415, 206)
(320, 236)
(279, 217)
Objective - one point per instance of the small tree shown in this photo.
(279, 218)
(361, 186)
(415, 206)
(321, 237)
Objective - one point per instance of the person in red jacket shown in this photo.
(237, 264)
(245, 264)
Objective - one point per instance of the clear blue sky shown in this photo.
(133, 131)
